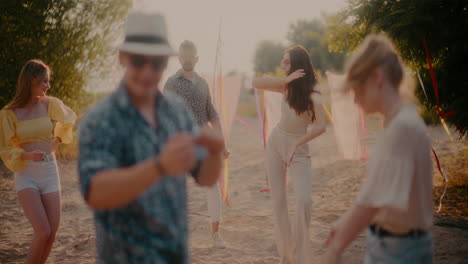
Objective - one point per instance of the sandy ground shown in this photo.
(247, 222)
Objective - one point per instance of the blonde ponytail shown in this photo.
(377, 50)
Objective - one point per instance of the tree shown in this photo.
(442, 23)
(268, 56)
(312, 35)
(74, 37)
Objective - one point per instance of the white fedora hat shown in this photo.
(146, 34)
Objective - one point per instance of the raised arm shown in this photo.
(115, 188)
(276, 84)
(346, 229)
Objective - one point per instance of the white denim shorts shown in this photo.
(40, 175)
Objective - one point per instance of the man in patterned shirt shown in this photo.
(136, 146)
(194, 90)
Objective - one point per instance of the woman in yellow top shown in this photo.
(28, 140)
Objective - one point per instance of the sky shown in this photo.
(244, 24)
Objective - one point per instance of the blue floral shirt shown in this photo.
(153, 228)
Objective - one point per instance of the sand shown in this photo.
(247, 225)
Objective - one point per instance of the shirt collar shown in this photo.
(123, 98)
(180, 74)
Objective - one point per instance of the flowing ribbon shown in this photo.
(260, 115)
(225, 179)
(328, 113)
(218, 75)
(441, 171)
(442, 116)
(363, 133)
(419, 77)
(427, 99)
(434, 83)
(243, 123)
(266, 121)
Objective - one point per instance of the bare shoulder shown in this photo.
(45, 100)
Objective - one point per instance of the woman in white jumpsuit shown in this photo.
(287, 150)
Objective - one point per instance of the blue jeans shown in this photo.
(399, 250)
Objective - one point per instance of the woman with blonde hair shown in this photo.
(395, 201)
(287, 150)
(28, 140)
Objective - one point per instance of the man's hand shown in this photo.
(178, 155)
(211, 166)
(226, 153)
(211, 140)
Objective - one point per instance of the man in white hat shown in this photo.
(136, 148)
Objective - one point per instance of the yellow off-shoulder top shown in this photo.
(14, 132)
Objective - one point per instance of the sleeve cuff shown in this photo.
(64, 132)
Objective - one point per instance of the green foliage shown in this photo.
(268, 56)
(429, 115)
(343, 35)
(74, 37)
(312, 35)
(442, 23)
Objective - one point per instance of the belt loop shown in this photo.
(46, 157)
(416, 234)
(378, 231)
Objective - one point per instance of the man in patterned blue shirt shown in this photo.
(136, 148)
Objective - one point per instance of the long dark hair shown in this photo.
(299, 91)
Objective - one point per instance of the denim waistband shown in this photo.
(380, 232)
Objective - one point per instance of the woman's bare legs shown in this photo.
(36, 209)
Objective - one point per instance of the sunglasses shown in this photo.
(157, 63)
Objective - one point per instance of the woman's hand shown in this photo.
(331, 235)
(295, 75)
(332, 256)
(35, 155)
(56, 143)
(291, 153)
